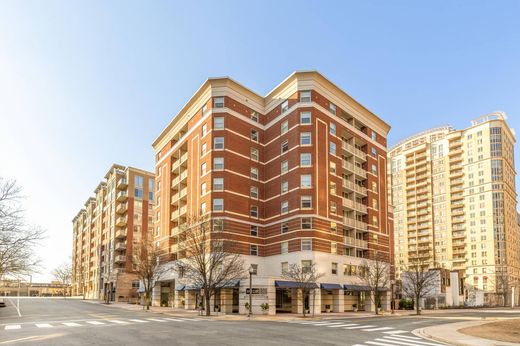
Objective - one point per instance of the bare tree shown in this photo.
(375, 274)
(63, 274)
(419, 282)
(306, 278)
(211, 261)
(149, 269)
(502, 284)
(17, 240)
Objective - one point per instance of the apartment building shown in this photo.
(105, 232)
(454, 200)
(296, 176)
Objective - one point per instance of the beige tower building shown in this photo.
(454, 199)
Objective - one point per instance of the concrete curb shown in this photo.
(448, 334)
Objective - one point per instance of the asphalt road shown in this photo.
(74, 322)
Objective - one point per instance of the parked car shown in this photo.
(2, 303)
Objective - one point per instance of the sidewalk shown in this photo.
(236, 317)
(448, 333)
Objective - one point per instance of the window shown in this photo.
(284, 227)
(305, 159)
(254, 173)
(306, 181)
(284, 248)
(203, 168)
(253, 250)
(218, 204)
(306, 245)
(135, 284)
(333, 248)
(285, 106)
(284, 187)
(138, 181)
(332, 108)
(285, 207)
(253, 211)
(332, 148)
(204, 129)
(284, 265)
(218, 225)
(285, 146)
(305, 96)
(218, 102)
(305, 138)
(204, 108)
(253, 192)
(305, 118)
(284, 167)
(203, 149)
(374, 169)
(254, 269)
(218, 143)
(306, 266)
(284, 127)
(203, 208)
(218, 163)
(334, 269)
(203, 188)
(306, 202)
(333, 189)
(254, 116)
(254, 154)
(254, 135)
(332, 167)
(254, 231)
(374, 136)
(306, 222)
(374, 152)
(218, 123)
(332, 129)
(218, 184)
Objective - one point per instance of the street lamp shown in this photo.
(251, 271)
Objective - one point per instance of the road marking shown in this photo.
(359, 327)
(155, 320)
(191, 319)
(138, 321)
(376, 329)
(413, 342)
(174, 319)
(71, 324)
(378, 343)
(96, 323)
(43, 325)
(410, 337)
(396, 332)
(118, 321)
(13, 326)
(325, 323)
(342, 325)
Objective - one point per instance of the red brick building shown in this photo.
(296, 176)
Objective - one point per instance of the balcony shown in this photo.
(361, 243)
(349, 241)
(456, 197)
(122, 184)
(354, 187)
(175, 215)
(120, 259)
(353, 150)
(183, 176)
(457, 235)
(121, 221)
(183, 193)
(175, 182)
(175, 231)
(355, 169)
(456, 174)
(184, 158)
(457, 219)
(121, 196)
(120, 246)
(456, 212)
(354, 205)
(122, 208)
(349, 222)
(182, 211)
(120, 234)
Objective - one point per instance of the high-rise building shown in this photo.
(454, 200)
(106, 231)
(296, 176)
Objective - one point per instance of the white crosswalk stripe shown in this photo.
(359, 327)
(43, 325)
(96, 323)
(155, 320)
(117, 321)
(325, 324)
(376, 329)
(343, 325)
(138, 321)
(174, 319)
(395, 332)
(400, 340)
(71, 324)
(13, 326)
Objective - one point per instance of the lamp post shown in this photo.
(251, 270)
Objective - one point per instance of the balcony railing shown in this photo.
(120, 259)
(352, 149)
(122, 196)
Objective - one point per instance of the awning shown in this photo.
(230, 284)
(180, 288)
(356, 288)
(293, 284)
(331, 286)
(193, 288)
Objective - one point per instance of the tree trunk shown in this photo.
(417, 308)
(376, 302)
(207, 298)
(148, 299)
(304, 294)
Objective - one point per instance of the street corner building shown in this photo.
(454, 199)
(298, 176)
(106, 231)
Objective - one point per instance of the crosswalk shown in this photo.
(390, 336)
(103, 322)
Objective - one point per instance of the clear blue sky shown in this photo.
(84, 84)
